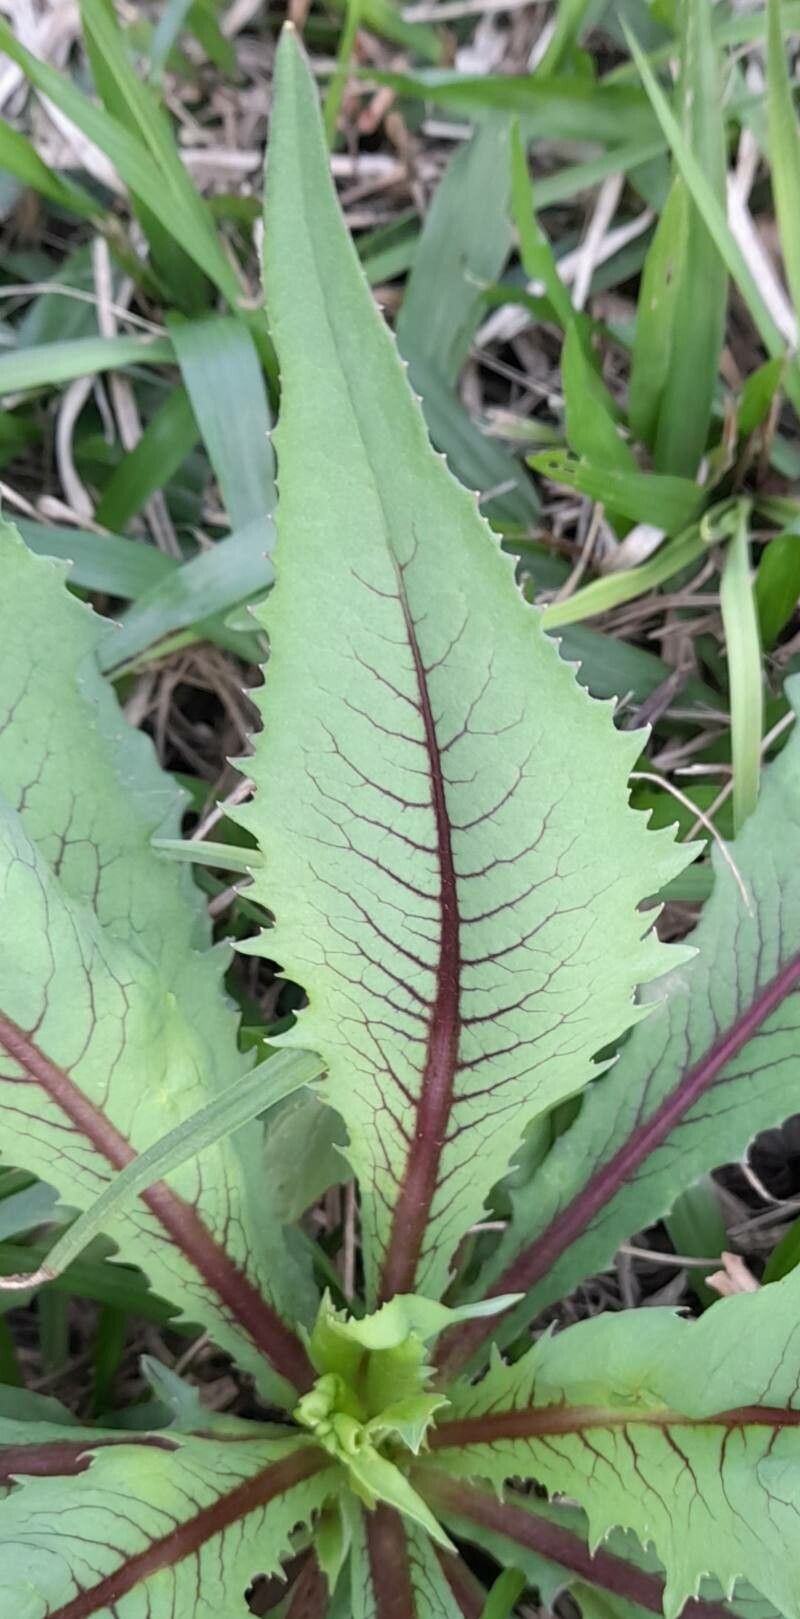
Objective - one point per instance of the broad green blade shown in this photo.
(114, 1024)
(613, 1414)
(430, 849)
(167, 1524)
(715, 1063)
(645, 497)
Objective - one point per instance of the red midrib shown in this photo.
(535, 1261)
(189, 1537)
(412, 1209)
(181, 1222)
(387, 1549)
(549, 1420)
(559, 1545)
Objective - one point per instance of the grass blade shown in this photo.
(654, 338)
(740, 622)
(644, 497)
(536, 254)
(784, 149)
(225, 384)
(52, 363)
(272, 1081)
(699, 309)
(707, 203)
(166, 441)
(462, 248)
(134, 164)
(625, 585)
(19, 157)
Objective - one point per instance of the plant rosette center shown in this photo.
(372, 1405)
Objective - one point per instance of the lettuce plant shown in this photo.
(457, 882)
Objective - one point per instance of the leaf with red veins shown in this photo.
(113, 1025)
(714, 1063)
(686, 1433)
(444, 879)
(396, 1573)
(166, 1533)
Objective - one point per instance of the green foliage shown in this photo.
(457, 881)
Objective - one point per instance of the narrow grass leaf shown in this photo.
(784, 148)
(653, 342)
(166, 441)
(53, 363)
(644, 497)
(135, 165)
(698, 308)
(707, 203)
(560, 108)
(626, 584)
(104, 562)
(270, 1082)
(777, 585)
(18, 156)
(225, 384)
(461, 250)
(222, 856)
(566, 28)
(743, 648)
(536, 254)
(232, 571)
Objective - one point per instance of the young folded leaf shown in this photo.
(113, 1024)
(713, 1064)
(445, 874)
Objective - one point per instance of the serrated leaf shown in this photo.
(715, 1063)
(114, 1025)
(614, 1415)
(168, 1525)
(429, 851)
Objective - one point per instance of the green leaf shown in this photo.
(104, 562)
(559, 108)
(53, 363)
(461, 250)
(413, 850)
(625, 584)
(715, 1063)
(177, 206)
(613, 1414)
(745, 679)
(166, 441)
(645, 497)
(784, 148)
(222, 375)
(251, 1095)
(663, 277)
(777, 585)
(167, 1524)
(590, 426)
(127, 98)
(19, 157)
(536, 254)
(708, 204)
(785, 1257)
(230, 571)
(699, 299)
(113, 1020)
